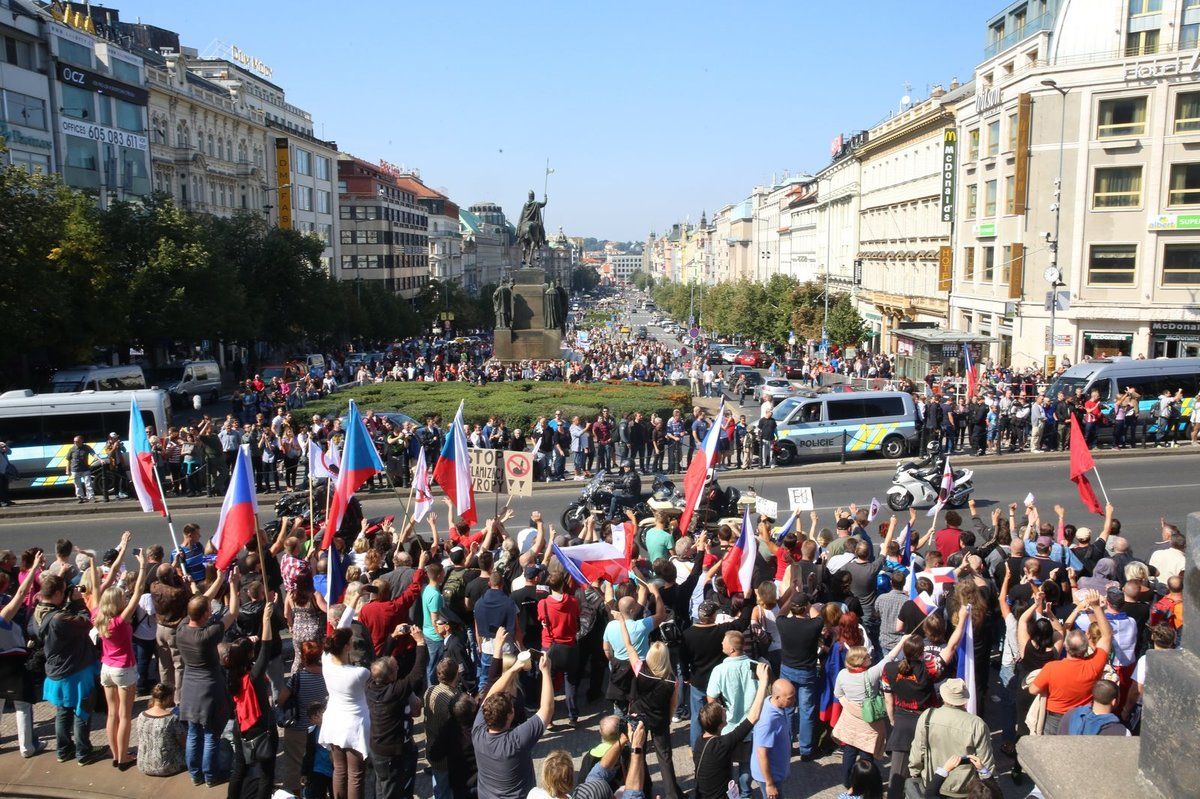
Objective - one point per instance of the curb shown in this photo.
(67, 507)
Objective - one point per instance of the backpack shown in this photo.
(669, 632)
(454, 589)
(1163, 612)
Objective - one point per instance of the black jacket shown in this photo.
(391, 721)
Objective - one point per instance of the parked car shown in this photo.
(778, 389)
(728, 352)
(756, 358)
(793, 369)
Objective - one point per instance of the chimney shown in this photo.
(954, 84)
(937, 91)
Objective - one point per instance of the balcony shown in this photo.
(1020, 33)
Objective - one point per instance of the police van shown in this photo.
(1148, 377)
(860, 422)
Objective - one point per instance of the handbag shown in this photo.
(873, 707)
(914, 787)
(260, 748)
(699, 763)
(287, 714)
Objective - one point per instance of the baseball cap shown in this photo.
(1116, 598)
(533, 571)
(1083, 533)
(708, 608)
(1045, 541)
(113, 435)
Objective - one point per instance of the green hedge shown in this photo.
(519, 404)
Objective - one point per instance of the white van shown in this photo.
(98, 378)
(199, 379)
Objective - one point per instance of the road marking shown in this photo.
(1141, 488)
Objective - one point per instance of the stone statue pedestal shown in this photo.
(527, 339)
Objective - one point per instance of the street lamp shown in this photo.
(1053, 273)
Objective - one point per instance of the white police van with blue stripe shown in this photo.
(859, 422)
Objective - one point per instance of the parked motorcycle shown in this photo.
(597, 495)
(916, 482)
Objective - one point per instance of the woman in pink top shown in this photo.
(118, 664)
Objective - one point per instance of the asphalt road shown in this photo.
(1142, 487)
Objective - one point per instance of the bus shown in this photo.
(1149, 377)
(39, 428)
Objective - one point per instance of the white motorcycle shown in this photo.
(915, 482)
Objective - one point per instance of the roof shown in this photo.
(934, 336)
(468, 220)
(419, 189)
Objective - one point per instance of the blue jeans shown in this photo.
(435, 646)
(695, 702)
(1008, 704)
(72, 732)
(201, 753)
(441, 784)
(804, 717)
(485, 663)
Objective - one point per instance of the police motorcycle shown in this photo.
(920, 481)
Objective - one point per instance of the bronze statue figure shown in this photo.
(502, 304)
(564, 304)
(551, 308)
(531, 233)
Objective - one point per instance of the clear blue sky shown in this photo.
(648, 111)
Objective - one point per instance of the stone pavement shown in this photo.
(44, 778)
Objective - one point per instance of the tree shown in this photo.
(584, 278)
(642, 280)
(845, 326)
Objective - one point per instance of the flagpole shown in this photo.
(1096, 472)
(166, 511)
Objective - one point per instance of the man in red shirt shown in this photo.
(946, 539)
(381, 615)
(1068, 683)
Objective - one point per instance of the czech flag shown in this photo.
(335, 576)
(239, 512)
(738, 569)
(830, 708)
(360, 462)
(941, 577)
(788, 526)
(319, 465)
(589, 562)
(622, 538)
(965, 655)
(453, 470)
(422, 494)
(945, 491)
(141, 465)
(969, 370)
(697, 472)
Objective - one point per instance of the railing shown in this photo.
(1038, 24)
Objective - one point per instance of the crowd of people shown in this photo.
(348, 671)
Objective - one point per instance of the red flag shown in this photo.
(1081, 462)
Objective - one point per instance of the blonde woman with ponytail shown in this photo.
(118, 663)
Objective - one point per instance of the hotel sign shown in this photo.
(245, 59)
(283, 179)
(987, 100)
(949, 172)
(1175, 67)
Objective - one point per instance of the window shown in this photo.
(1125, 116)
(842, 409)
(32, 163)
(129, 117)
(969, 263)
(989, 264)
(1112, 264)
(1117, 187)
(1181, 265)
(74, 53)
(1185, 185)
(1187, 106)
(77, 103)
(1189, 31)
(81, 153)
(347, 262)
(22, 109)
(993, 138)
(1012, 133)
(1144, 24)
(989, 198)
(1006, 265)
(304, 198)
(972, 201)
(322, 167)
(303, 162)
(323, 202)
(973, 144)
(325, 232)
(125, 71)
(1010, 195)
(19, 53)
